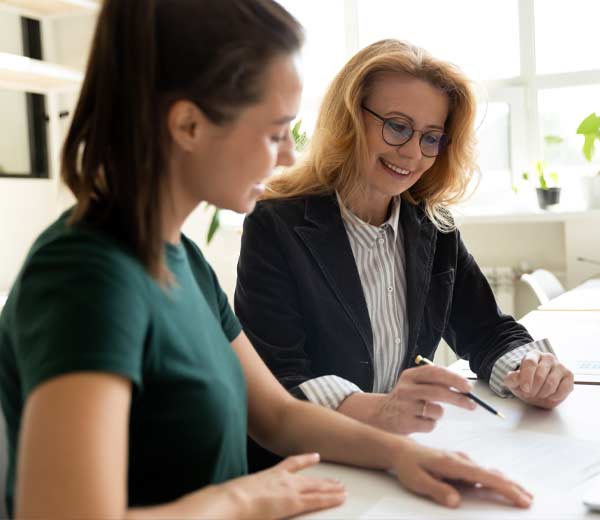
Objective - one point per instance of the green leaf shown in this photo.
(525, 176)
(300, 138)
(214, 225)
(543, 183)
(588, 146)
(554, 177)
(553, 139)
(590, 125)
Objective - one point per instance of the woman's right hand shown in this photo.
(431, 472)
(278, 492)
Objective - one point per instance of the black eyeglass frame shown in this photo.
(384, 120)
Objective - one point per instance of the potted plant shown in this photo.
(300, 141)
(590, 129)
(546, 195)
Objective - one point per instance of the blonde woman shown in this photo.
(351, 265)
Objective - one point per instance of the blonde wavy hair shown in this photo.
(339, 141)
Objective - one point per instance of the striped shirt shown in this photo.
(380, 260)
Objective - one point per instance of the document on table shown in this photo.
(555, 468)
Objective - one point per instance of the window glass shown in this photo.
(561, 111)
(566, 35)
(465, 32)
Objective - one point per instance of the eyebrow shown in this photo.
(412, 121)
(284, 120)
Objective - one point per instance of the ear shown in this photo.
(186, 124)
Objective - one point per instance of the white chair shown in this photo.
(544, 284)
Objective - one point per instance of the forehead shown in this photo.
(396, 92)
(283, 84)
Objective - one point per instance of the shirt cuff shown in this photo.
(511, 360)
(328, 391)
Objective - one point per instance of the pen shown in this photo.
(420, 359)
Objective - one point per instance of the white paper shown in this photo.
(555, 468)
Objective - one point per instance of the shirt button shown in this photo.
(381, 241)
(390, 289)
(397, 340)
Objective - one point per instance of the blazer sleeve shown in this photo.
(267, 301)
(477, 329)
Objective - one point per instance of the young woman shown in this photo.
(352, 265)
(126, 381)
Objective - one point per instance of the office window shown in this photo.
(465, 32)
(561, 110)
(566, 35)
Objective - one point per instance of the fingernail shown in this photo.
(452, 500)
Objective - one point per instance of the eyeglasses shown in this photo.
(397, 132)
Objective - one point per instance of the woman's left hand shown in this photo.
(541, 380)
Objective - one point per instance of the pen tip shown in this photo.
(499, 414)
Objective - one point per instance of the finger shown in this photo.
(545, 364)
(440, 394)
(511, 380)
(440, 376)
(423, 425)
(298, 462)
(527, 371)
(317, 501)
(552, 382)
(423, 483)
(456, 468)
(320, 485)
(429, 411)
(564, 389)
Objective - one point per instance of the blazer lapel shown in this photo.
(419, 245)
(327, 240)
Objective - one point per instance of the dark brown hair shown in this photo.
(145, 55)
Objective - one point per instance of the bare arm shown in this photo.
(286, 425)
(72, 463)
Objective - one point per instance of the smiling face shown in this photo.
(391, 170)
(228, 165)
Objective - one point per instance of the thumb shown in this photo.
(512, 379)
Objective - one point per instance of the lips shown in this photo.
(395, 168)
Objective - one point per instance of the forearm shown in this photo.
(211, 502)
(338, 438)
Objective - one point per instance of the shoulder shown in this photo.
(293, 211)
(76, 255)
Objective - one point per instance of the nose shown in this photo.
(286, 155)
(412, 147)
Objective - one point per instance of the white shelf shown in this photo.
(494, 215)
(49, 8)
(29, 75)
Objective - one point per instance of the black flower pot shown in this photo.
(548, 197)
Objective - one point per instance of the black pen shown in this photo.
(420, 359)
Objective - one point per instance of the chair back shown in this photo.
(544, 284)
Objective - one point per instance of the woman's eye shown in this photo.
(432, 138)
(399, 128)
(278, 138)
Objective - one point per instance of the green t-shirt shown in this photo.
(82, 303)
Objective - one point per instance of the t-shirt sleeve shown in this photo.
(81, 307)
(229, 322)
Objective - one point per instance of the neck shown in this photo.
(176, 206)
(370, 207)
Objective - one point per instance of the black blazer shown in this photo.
(301, 303)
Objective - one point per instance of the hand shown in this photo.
(541, 380)
(412, 405)
(280, 492)
(426, 472)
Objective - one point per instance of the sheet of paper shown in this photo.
(555, 468)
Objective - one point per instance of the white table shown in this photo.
(375, 494)
(584, 297)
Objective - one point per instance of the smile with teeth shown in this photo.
(395, 168)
